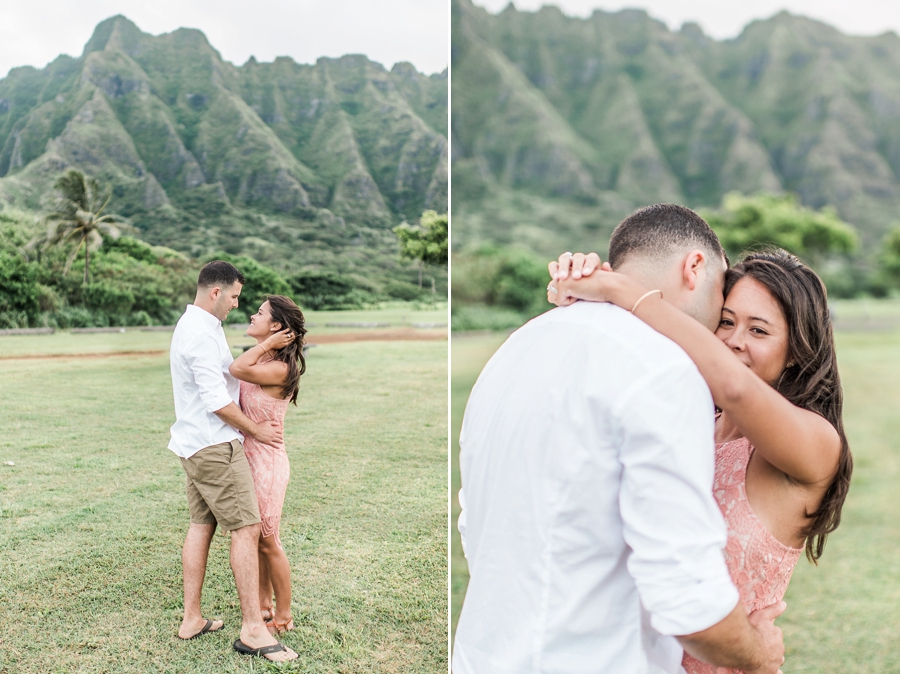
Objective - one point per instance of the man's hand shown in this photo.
(771, 638)
(267, 432)
(750, 643)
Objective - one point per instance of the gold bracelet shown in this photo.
(645, 296)
(264, 349)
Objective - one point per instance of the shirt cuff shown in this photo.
(703, 598)
(217, 402)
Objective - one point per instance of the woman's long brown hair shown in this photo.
(287, 313)
(812, 380)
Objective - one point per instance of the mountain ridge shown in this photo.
(294, 164)
(642, 113)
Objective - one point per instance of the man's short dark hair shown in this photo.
(219, 274)
(661, 230)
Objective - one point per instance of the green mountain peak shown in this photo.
(289, 163)
(117, 32)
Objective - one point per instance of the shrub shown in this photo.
(325, 290)
(19, 289)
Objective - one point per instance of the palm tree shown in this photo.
(78, 216)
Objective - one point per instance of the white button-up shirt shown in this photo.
(588, 522)
(199, 358)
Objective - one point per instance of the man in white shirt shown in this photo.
(206, 438)
(593, 540)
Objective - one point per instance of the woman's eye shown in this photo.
(725, 323)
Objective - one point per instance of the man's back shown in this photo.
(587, 465)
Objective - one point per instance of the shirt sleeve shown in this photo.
(206, 368)
(671, 520)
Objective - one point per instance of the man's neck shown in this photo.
(206, 306)
(647, 274)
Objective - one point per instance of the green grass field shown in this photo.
(842, 616)
(93, 513)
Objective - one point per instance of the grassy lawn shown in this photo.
(842, 616)
(93, 513)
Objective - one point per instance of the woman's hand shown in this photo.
(279, 340)
(577, 264)
(573, 279)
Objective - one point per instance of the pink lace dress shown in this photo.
(268, 463)
(760, 565)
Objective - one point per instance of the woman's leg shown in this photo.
(265, 583)
(279, 571)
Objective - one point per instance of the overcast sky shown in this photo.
(725, 18)
(34, 32)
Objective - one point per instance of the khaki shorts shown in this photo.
(220, 487)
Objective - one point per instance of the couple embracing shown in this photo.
(642, 471)
(229, 435)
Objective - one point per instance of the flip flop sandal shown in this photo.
(244, 649)
(206, 629)
(270, 610)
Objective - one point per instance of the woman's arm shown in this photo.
(247, 367)
(800, 443)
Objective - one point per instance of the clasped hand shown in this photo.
(566, 274)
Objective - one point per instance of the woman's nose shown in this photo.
(735, 341)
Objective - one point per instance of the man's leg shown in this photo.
(193, 563)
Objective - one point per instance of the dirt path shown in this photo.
(402, 334)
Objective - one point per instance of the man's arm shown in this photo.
(210, 380)
(674, 527)
(749, 643)
(461, 521)
(267, 432)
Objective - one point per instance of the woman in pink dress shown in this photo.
(270, 377)
(782, 460)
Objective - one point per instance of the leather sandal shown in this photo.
(280, 628)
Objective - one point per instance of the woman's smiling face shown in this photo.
(754, 328)
(261, 322)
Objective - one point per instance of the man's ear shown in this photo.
(694, 265)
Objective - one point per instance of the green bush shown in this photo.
(500, 277)
(237, 316)
(19, 288)
(13, 319)
(80, 317)
(108, 297)
(319, 290)
(408, 292)
(745, 223)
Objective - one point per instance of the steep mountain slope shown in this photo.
(592, 117)
(294, 164)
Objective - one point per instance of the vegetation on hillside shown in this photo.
(131, 282)
(300, 167)
(562, 125)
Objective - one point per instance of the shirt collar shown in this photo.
(202, 314)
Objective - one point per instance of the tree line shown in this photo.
(124, 281)
(501, 287)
